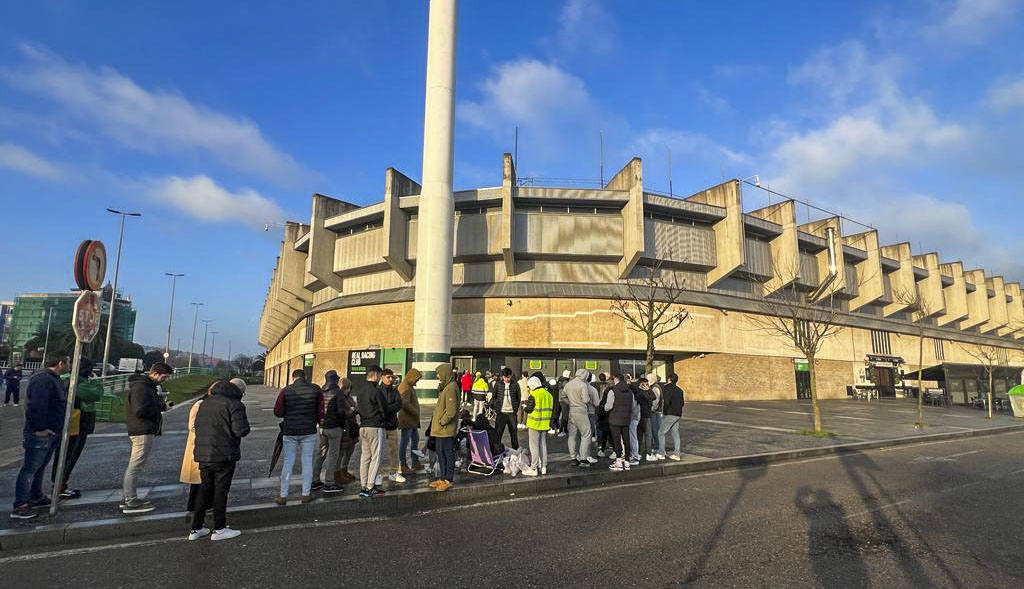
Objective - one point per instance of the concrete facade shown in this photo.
(534, 270)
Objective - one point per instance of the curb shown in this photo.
(404, 502)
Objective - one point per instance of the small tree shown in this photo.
(989, 357)
(242, 363)
(651, 306)
(805, 320)
(920, 310)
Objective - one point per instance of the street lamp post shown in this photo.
(192, 346)
(229, 357)
(113, 294)
(213, 346)
(46, 341)
(206, 329)
(170, 314)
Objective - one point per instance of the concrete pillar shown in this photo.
(901, 280)
(955, 295)
(433, 306)
(396, 222)
(821, 229)
(977, 300)
(785, 247)
(508, 212)
(729, 251)
(870, 284)
(631, 178)
(997, 317)
(929, 289)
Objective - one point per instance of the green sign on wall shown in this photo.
(535, 364)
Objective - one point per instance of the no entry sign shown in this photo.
(90, 264)
(86, 319)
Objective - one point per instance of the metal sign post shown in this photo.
(85, 321)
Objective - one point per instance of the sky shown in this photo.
(216, 119)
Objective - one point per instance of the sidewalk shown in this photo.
(715, 435)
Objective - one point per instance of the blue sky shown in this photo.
(214, 119)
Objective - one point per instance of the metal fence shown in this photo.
(116, 384)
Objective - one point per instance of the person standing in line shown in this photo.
(12, 380)
(604, 436)
(505, 401)
(673, 401)
(560, 421)
(88, 392)
(539, 409)
(521, 415)
(409, 422)
(143, 414)
(221, 423)
(619, 405)
(480, 389)
(189, 467)
(656, 416)
(372, 414)
(330, 435)
(393, 405)
(634, 423)
(301, 407)
(349, 432)
(44, 422)
(443, 425)
(577, 393)
(646, 400)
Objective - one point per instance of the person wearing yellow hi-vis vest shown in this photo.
(480, 389)
(539, 408)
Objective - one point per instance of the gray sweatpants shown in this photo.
(670, 424)
(371, 439)
(579, 424)
(328, 454)
(142, 446)
(538, 448)
(634, 445)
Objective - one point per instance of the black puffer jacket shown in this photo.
(622, 405)
(143, 412)
(672, 397)
(221, 423)
(299, 404)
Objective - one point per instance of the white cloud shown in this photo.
(19, 159)
(846, 72)
(154, 121)
(586, 25)
(713, 101)
(1006, 94)
(546, 101)
(203, 199)
(655, 142)
(972, 21)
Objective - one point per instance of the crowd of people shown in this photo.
(626, 419)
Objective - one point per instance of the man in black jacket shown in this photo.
(44, 422)
(143, 414)
(505, 398)
(12, 380)
(373, 413)
(672, 407)
(221, 424)
(301, 406)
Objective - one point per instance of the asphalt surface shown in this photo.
(941, 514)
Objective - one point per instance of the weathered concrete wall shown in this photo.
(785, 247)
(997, 314)
(870, 284)
(977, 301)
(901, 280)
(729, 250)
(631, 178)
(742, 377)
(820, 228)
(396, 222)
(955, 294)
(1014, 311)
(508, 211)
(930, 289)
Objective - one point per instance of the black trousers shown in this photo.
(193, 497)
(604, 434)
(643, 435)
(563, 418)
(620, 440)
(507, 420)
(213, 493)
(86, 425)
(12, 392)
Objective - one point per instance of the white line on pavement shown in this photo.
(964, 454)
(856, 418)
(762, 427)
(880, 508)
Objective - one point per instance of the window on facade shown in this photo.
(880, 343)
(310, 324)
(940, 350)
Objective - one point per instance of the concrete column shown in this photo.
(729, 251)
(870, 284)
(901, 280)
(820, 228)
(929, 289)
(997, 317)
(955, 295)
(433, 306)
(508, 212)
(977, 300)
(785, 247)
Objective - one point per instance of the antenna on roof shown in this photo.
(515, 156)
(670, 171)
(601, 133)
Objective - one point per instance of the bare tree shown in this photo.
(989, 357)
(919, 309)
(804, 319)
(651, 306)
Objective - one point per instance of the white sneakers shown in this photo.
(225, 534)
(652, 458)
(543, 470)
(611, 455)
(591, 460)
(529, 472)
(600, 453)
(619, 464)
(521, 426)
(593, 439)
(674, 457)
(418, 454)
(197, 534)
(397, 478)
(552, 432)
(379, 480)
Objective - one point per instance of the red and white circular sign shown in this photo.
(90, 265)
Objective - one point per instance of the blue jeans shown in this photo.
(409, 434)
(38, 452)
(655, 431)
(293, 444)
(446, 457)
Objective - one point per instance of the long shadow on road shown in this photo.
(831, 545)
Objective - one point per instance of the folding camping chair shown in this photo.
(482, 462)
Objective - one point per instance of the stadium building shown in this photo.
(535, 270)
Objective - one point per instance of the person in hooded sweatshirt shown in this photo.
(645, 397)
(539, 414)
(331, 427)
(620, 404)
(577, 393)
(143, 416)
(634, 422)
(673, 402)
(221, 423)
(505, 401)
(409, 422)
(657, 411)
(443, 425)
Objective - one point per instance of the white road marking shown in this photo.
(761, 427)
(856, 418)
(880, 508)
(964, 454)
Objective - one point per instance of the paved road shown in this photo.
(943, 514)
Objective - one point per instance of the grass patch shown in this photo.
(810, 432)
(178, 390)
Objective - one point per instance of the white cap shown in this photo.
(534, 383)
(238, 383)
